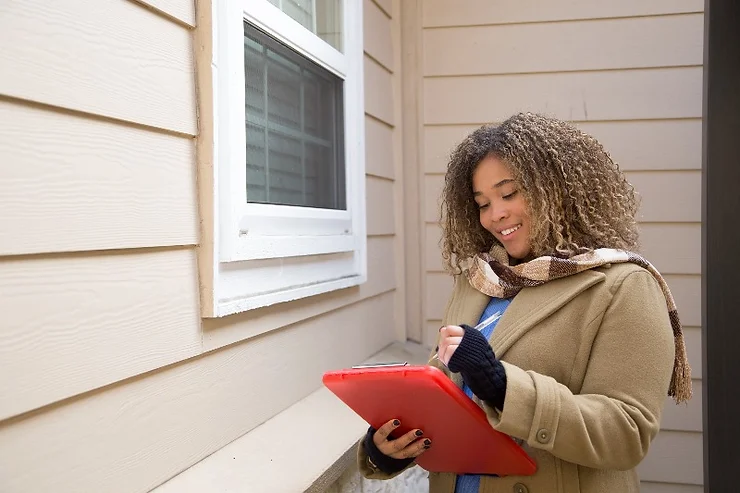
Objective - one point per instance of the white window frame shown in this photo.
(262, 253)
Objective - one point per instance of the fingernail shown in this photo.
(419, 433)
(396, 422)
(427, 443)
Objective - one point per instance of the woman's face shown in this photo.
(503, 209)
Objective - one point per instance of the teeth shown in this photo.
(507, 232)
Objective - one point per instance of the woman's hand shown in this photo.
(449, 340)
(407, 446)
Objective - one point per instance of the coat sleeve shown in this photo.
(612, 421)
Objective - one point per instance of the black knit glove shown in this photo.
(482, 372)
(385, 463)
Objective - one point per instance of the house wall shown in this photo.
(110, 380)
(628, 72)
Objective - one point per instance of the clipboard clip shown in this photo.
(381, 365)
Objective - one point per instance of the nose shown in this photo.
(497, 213)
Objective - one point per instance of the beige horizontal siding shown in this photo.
(675, 457)
(653, 487)
(108, 57)
(684, 256)
(113, 375)
(478, 12)
(610, 95)
(74, 183)
(71, 324)
(380, 210)
(135, 435)
(668, 196)
(686, 290)
(636, 145)
(651, 145)
(685, 417)
(132, 313)
(379, 159)
(378, 91)
(377, 34)
(182, 10)
(565, 46)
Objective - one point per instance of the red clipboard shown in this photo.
(463, 442)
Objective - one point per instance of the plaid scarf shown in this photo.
(491, 274)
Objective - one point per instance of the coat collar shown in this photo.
(527, 309)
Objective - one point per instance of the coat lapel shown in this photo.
(527, 309)
(532, 305)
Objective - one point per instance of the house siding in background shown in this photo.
(629, 73)
(111, 380)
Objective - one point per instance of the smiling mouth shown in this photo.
(509, 231)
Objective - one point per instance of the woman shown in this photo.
(582, 341)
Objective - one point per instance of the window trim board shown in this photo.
(250, 240)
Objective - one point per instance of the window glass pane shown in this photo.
(294, 127)
(321, 17)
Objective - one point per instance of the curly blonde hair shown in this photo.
(577, 196)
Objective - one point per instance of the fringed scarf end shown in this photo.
(681, 386)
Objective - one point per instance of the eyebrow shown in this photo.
(497, 185)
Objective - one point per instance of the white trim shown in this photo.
(263, 253)
(290, 32)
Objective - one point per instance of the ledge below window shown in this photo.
(306, 447)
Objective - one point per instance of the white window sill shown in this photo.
(305, 447)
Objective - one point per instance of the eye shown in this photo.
(509, 196)
(481, 207)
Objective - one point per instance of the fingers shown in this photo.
(450, 338)
(417, 448)
(452, 331)
(408, 445)
(445, 355)
(395, 448)
(381, 435)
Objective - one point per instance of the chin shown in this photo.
(519, 253)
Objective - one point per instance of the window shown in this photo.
(288, 197)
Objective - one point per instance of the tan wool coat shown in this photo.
(588, 361)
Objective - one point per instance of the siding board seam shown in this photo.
(380, 7)
(92, 116)
(552, 72)
(389, 126)
(380, 177)
(121, 252)
(379, 63)
(181, 22)
(563, 21)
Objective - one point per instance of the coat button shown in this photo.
(520, 488)
(543, 436)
